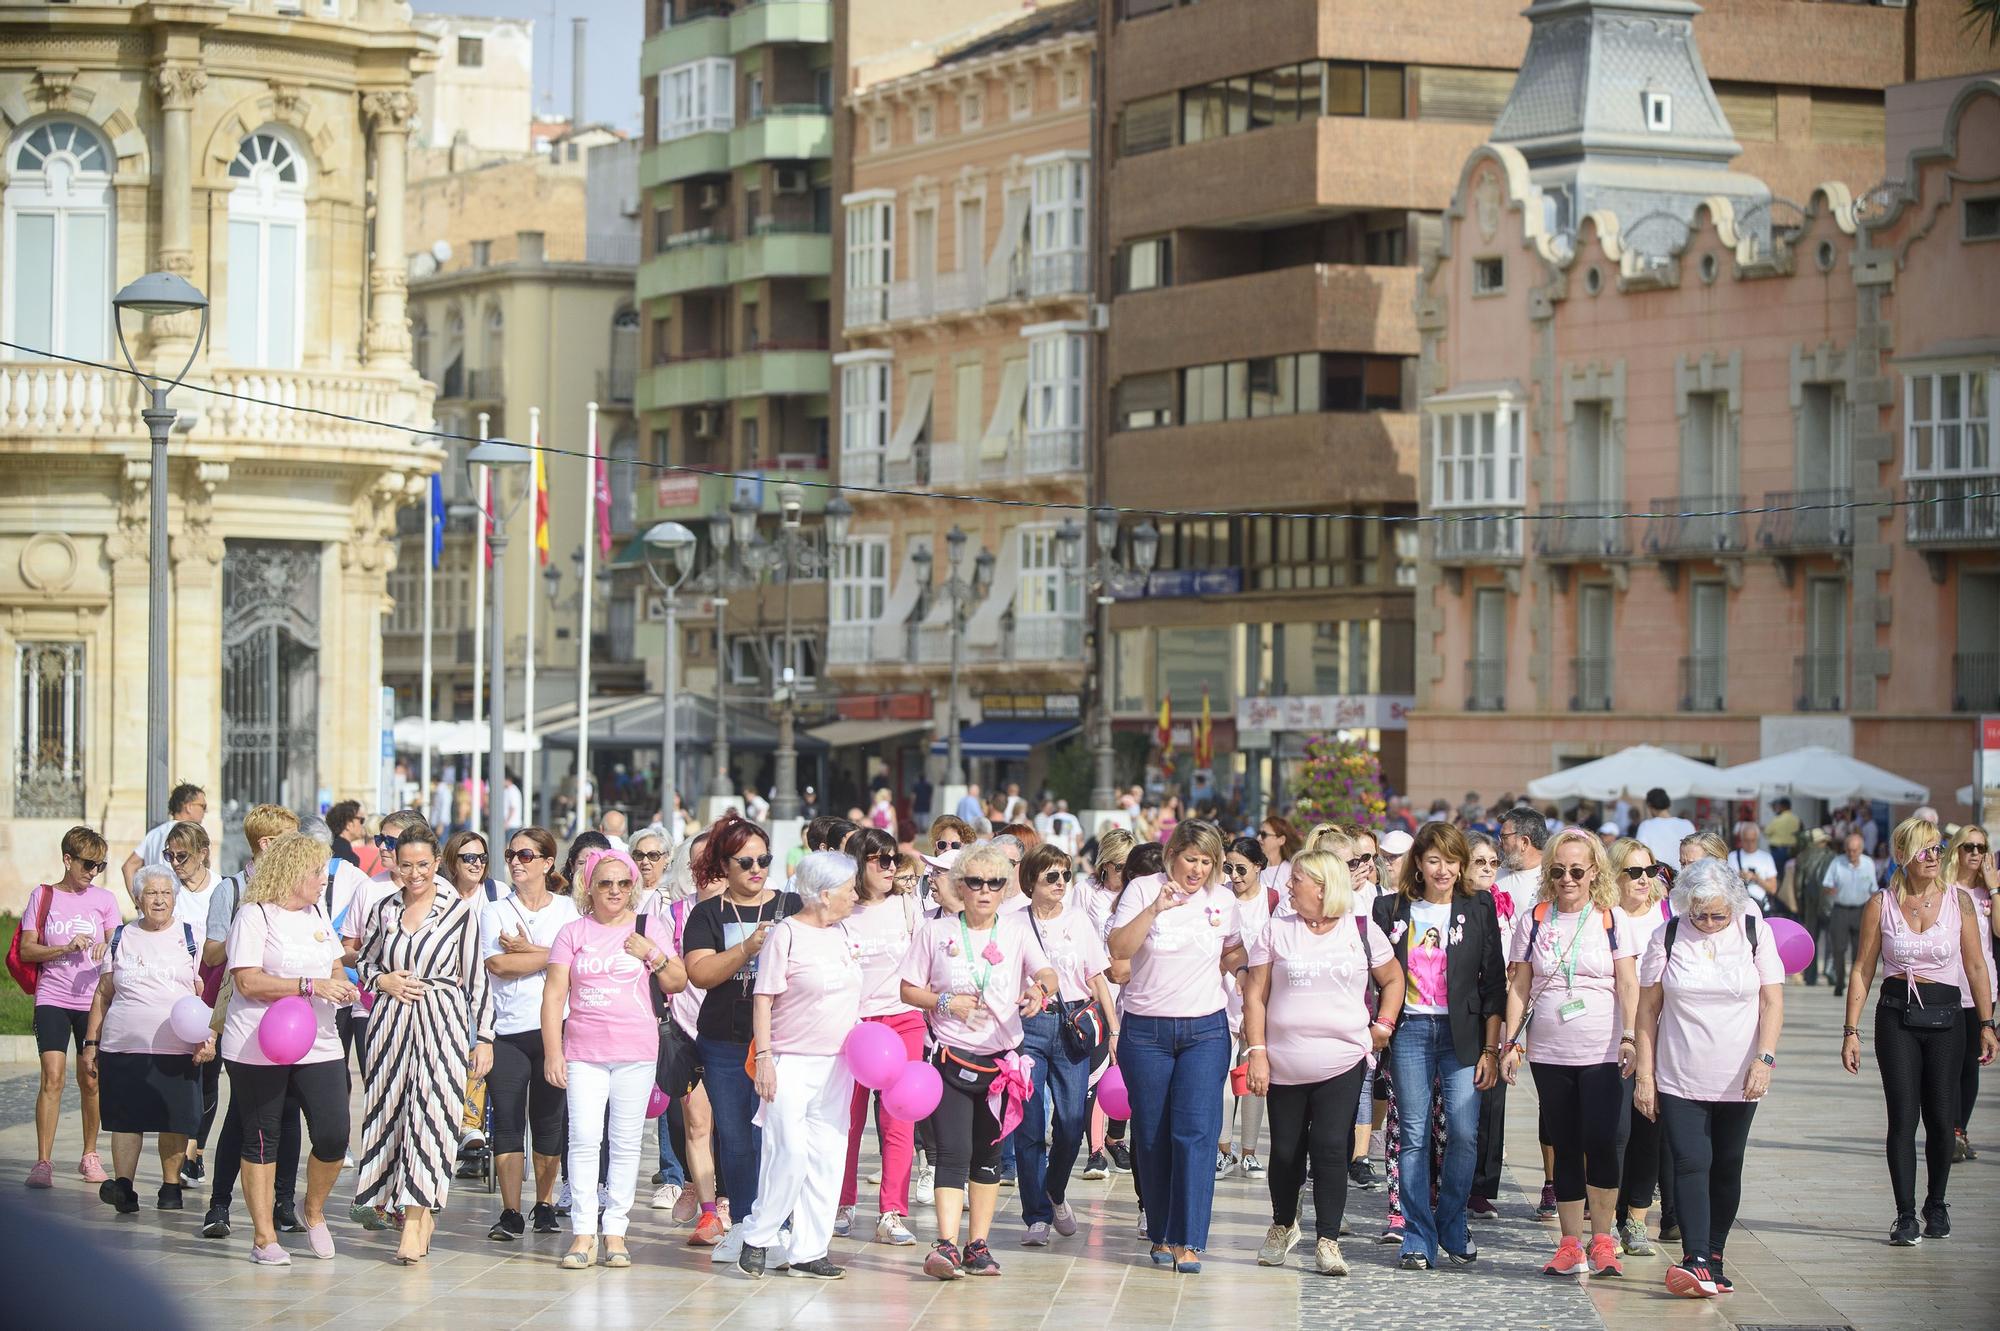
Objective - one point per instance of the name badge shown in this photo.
(1571, 1010)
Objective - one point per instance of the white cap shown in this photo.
(1397, 842)
(1609, 829)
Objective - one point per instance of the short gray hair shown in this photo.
(822, 872)
(147, 874)
(652, 832)
(1710, 880)
(1002, 842)
(314, 826)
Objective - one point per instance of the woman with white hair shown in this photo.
(806, 999)
(1710, 1007)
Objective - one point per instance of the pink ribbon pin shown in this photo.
(992, 953)
(1007, 1095)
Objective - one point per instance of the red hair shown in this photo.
(726, 840)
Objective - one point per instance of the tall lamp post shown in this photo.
(1104, 575)
(718, 579)
(669, 560)
(502, 456)
(158, 294)
(964, 596)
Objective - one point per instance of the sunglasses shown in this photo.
(649, 856)
(92, 866)
(1973, 848)
(386, 842)
(523, 856)
(1056, 876)
(1576, 873)
(984, 884)
(1711, 917)
(1637, 871)
(944, 846)
(177, 857)
(752, 861)
(1358, 861)
(479, 859)
(885, 860)
(1236, 871)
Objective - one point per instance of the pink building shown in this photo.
(1617, 323)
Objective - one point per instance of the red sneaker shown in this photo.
(1604, 1256)
(707, 1231)
(1690, 1280)
(1568, 1261)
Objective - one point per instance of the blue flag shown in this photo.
(437, 521)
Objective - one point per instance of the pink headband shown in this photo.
(587, 866)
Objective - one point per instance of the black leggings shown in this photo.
(523, 1102)
(211, 1096)
(1968, 1069)
(1579, 1119)
(1708, 1139)
(1641, 1172)
(968, 1148)
(263, 1091)
(1920, 1074)
(225, 1162)
(1315, 1120)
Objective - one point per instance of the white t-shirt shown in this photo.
(1424, 964)
(1520, 890)
(153, 846)
(1663, 836)
(191, 905)
(1759, 863)
(517, 1000)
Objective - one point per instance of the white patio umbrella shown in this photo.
(1635, 771)
(458, 737)
(1826, 775)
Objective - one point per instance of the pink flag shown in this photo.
(485, 516)
(603, 502)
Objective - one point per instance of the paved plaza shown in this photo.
(1810, 1251)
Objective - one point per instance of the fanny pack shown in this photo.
(1080, 1025)
(970, 1074)
(1919, 1016)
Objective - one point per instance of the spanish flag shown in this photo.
(1166, 735)
(541, 508)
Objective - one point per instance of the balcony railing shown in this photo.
(1041, 638)
(945, 293)
(487, 385)
(1703, 680)
(1821, 681)
(1688, 531)
(1975, 682)
(1959, 510)
(1061, 274)
(1590, 684)
(1476, 536)
(1055, 452)
(1582, 533)
(866, 305)
(1485, 685)
(1806, 521)
(861, 466)
(850, 644)
(617, 383)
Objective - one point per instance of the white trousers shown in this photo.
(625, 1087)
(805, 1155)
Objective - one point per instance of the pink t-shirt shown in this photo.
(814, 977)
(290, 944)
(1933, 955)
(1590, 1034)
(151, 970)
(1074, 950)
(1982, 901)
(1708, 1008)
(1316, 1023)
(880, 931)
(70, 981)
(1177, 971)
(939, 960)
(685, 1006)
(610, 1011)
(1253, 913)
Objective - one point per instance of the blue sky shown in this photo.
(616, 29)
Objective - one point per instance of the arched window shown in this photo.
(452, 383)
(624, 355)
(59, 237)
(420, 345)
(624, 480)
(494, 352)
(267, 252)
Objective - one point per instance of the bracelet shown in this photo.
(1846, 1031)
(1380, 1025)
(1255, 1049)
(1626, 1039)
(1629, 1035)
(763, 1054)
(944, 1005)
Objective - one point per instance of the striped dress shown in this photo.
(414, 1072)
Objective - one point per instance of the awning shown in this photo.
(1007, 739)
(632, 553)
(842, 734)
(1006, 421)
(916, 415)
(636, 723)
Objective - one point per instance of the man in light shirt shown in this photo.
(1662, 832)
(1755, 867)
(1850, 881)
(1523, 834)
(185, 804)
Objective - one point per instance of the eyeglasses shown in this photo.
(904, 880)
(176, 857)
(1929, 852)
(747, 862)
(649, 856)
(945, 846)
(92, 866)
(1576, 873)
(1056, 876)
(525, 855)
(1637, 871)
(984, 884)
(479, 859)
(1268, 835)
(885, 860)
(1236, 870)
(1711, 917)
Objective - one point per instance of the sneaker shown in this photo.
(1392, 1232)
(707, 1231)
(1037, 1236)
(818, 1269)
(1670, 1229)
(1225, 1165)
(1065, 1221)
(1482, 1208)
(120, 1195)
(1252, 1166)
(686, 1207)
(751, 1261)
(978, 1260)
(891, 1230)
(666, 1197)
(285, 1215)
(874, 1177)
(1279, 1240)
(1361, 1174)
(1327, 1258)
(1469, 1257)
(1097, 1166)
(1690, 1279)
(923, 1186)
(843, 1221)
(92, 1168)
(1905, 1234)
(563, 1198)
(603, 1199)
(1547, 1209)
(1604, 1256)
(192, 1170)
(270, 1255)
(42, 1175)
(371, 1218)
(473, 1140)
(728, 1248)
(1569, 1259)
(1414, 1261)
(170, 1198)
(545, 1219)
(1937, 1220)
(1959, 1150)
(1121, 1156)
(508, 1227)
(1009, 1176)
(1970, 1154)
(1722, 1285)
(215, 1225)
(1632, 1237)
(942, 1262)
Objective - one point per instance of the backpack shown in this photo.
(1749, 931)
(28, 974)
(1541, 912)
(187, 936)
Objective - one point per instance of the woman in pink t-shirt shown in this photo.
(805, 1002)
(1709, 1014)
(1310, 1039)
(883, 921)
(605, 1051)
(1572, 995)
(1642, 910)
(1968, 865)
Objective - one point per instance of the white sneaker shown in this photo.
(1326, 1256)
(722, 1214)
(729, 1249)
(473, 1140)
(923, 1186)
(1036, 1237)
(1141, 1227)
(1065, 1220)
(889, 1229)
(1225, 1164)
(875, 1177)
(563, 1199)
(665, 1196)
(843, 1222)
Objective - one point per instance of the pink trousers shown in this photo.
(895, 1136)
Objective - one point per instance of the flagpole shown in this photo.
(430, 567)
(589, 489)
(480, 509)
(532, 545)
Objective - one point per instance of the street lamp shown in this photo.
(158, 294)
(721, 527)
(964, 595)
(1105, 576)
(669, 560)
(502, 456)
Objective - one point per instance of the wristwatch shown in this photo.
(1768, 1060)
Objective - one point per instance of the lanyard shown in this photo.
(980, 975)
(1567, 959)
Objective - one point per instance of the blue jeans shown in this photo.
(1175, 1069)
(732, 1100)
(1046, 1157)
(670, 1164)
(1422, 1051)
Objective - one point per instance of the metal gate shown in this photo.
(270, 682)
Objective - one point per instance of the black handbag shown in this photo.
(1080, 1025)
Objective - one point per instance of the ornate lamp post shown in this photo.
(503, 456)
(1104, 576)
(964, 597)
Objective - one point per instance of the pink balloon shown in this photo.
(875, 1055)
(288, 1029)
(1795, 944)
(1111, 1093)
(657, 1102)
(367, 1000)
(915, 1094)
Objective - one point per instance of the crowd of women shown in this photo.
(1313, 986)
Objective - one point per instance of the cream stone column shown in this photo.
(390, 114)
(126, 817)
(196, 678)
(178, 85)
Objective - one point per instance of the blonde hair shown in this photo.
(1323, 835)
(1604, 893)
(267, 820)
(1708, 841)
(988, 858)
(1200, 837)
(292, 857)
(1951, 852)
(1330, 872)
(1622, 851)
(1911, 835)
(1113, 845)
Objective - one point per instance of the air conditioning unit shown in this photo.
(711, 197)
(707, 420)
(792, 180)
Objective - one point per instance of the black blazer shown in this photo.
(1475, 966)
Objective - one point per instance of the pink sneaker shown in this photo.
(42, 1175)
(686, 1207)
(91, 1168)
(270, 1255)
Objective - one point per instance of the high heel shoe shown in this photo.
(1163, 1255)
(617, 1259)
(579, 1259)
(1188, 1262)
